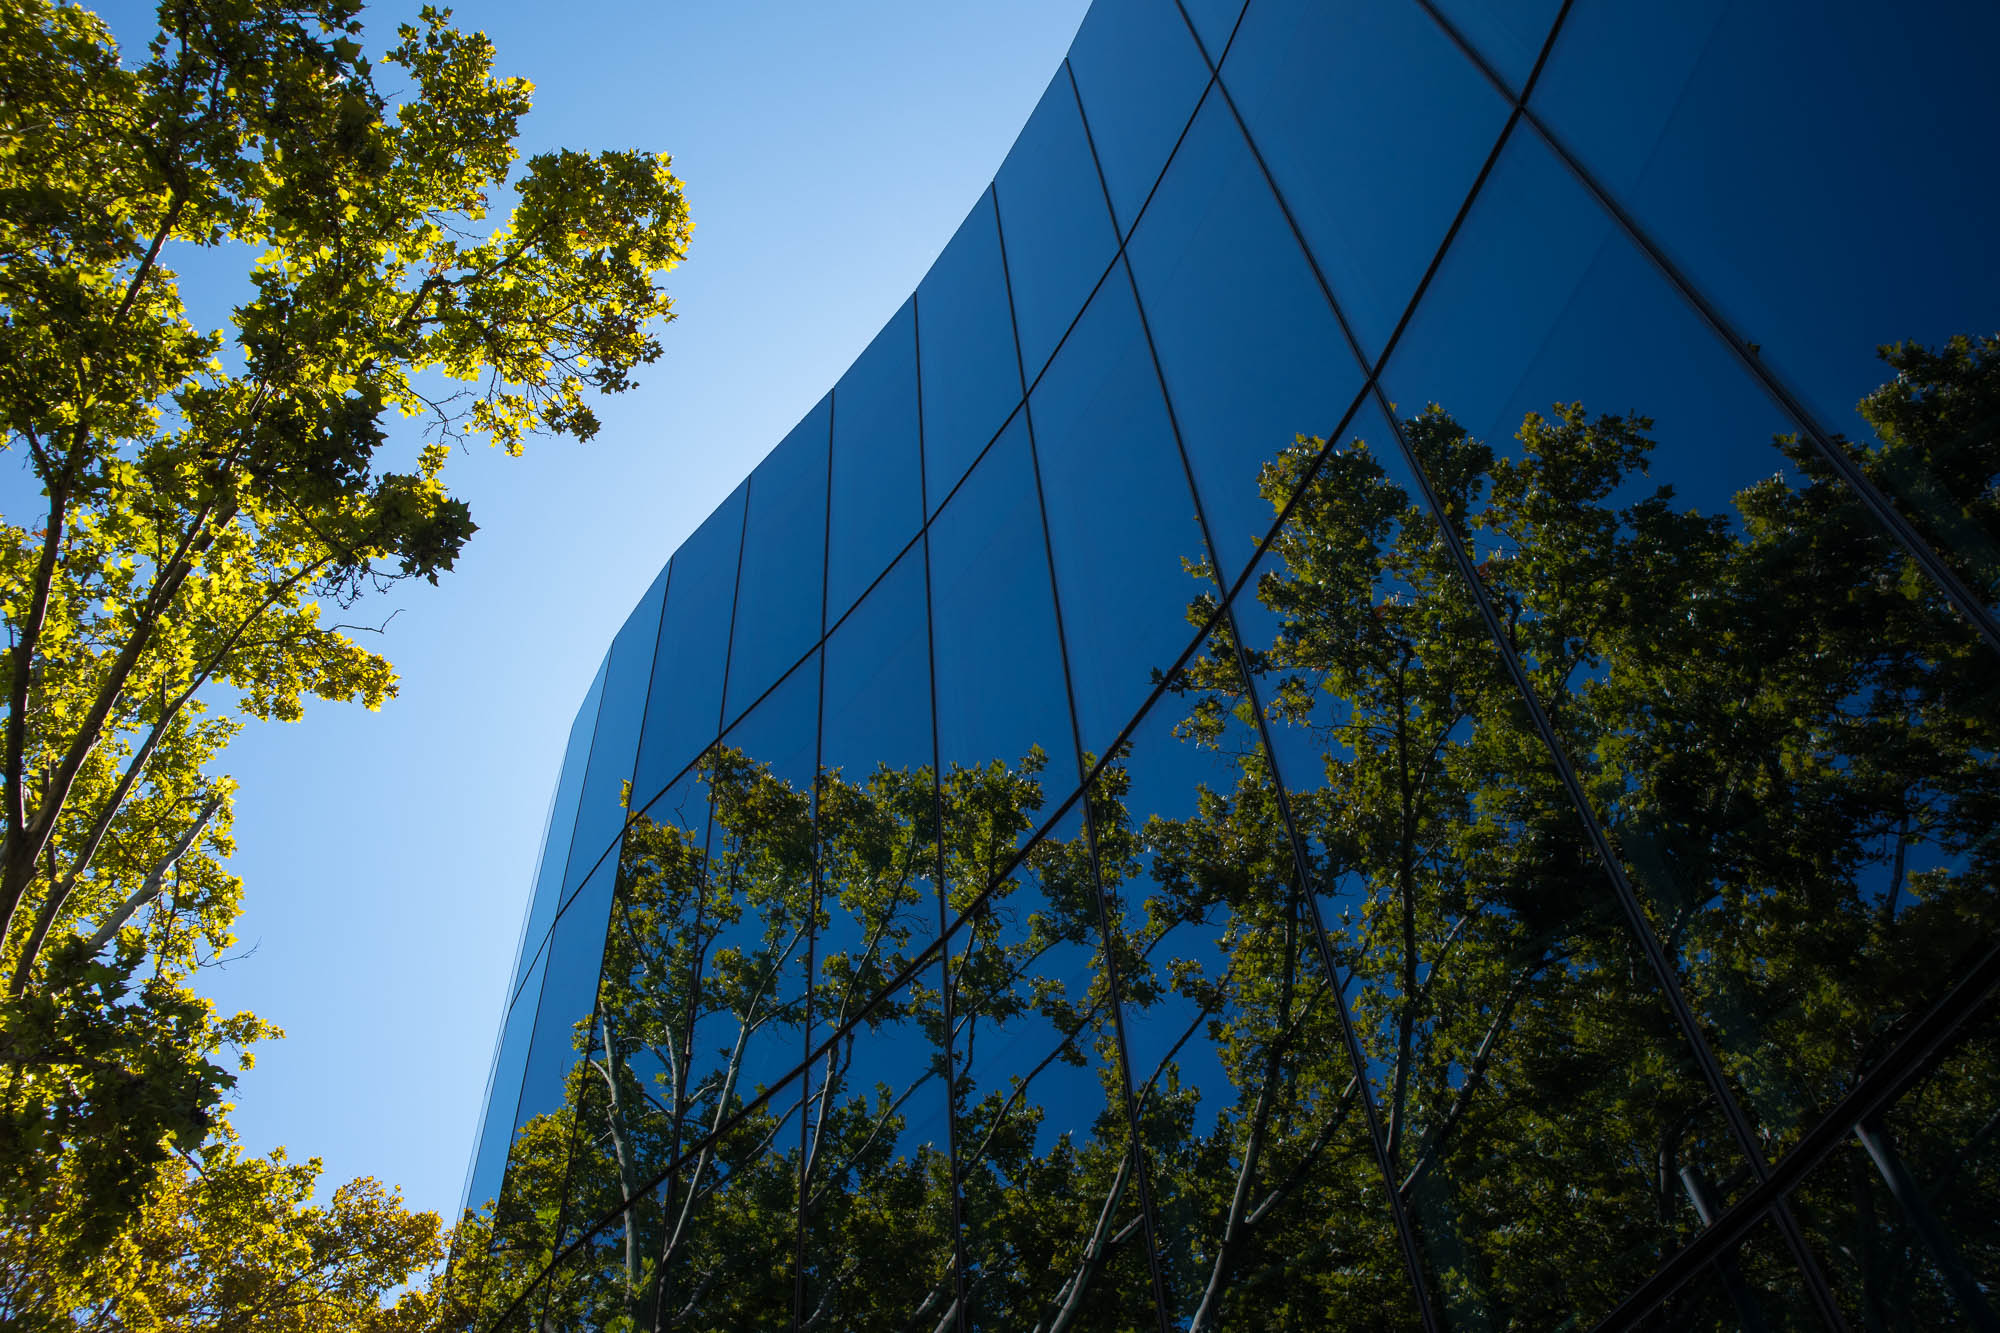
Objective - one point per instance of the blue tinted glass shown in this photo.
(627, 676)
(1508, 34)
(1041, 1094)
(526, 1224)
(784, 552)
(1503, 287)
(965, 348)
(1544, 302)
(1102, 434)
(999, 665)
(569, 991)
(1056, 234)
(549, 876)
(1152, 836)
(878, 1168)
(750, 1030)
(684, 710)
(734, 1215)
(1729, 579)
(1139, 75)
(1354, 105)
(879, 906)
(1741, 150)
(1484, 956)
(1250, 349)
(503, 1095)
(1301, 726)
(1229, 1022)
(635, 1107)
(593, 1287)
(749, 1024)
(1779, 155)
(782, 734)
(878, 804)
(878, 679)
(877, 474)
(1214, 20)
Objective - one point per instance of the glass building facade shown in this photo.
(1376, 707)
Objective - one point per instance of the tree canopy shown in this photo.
(206, 493)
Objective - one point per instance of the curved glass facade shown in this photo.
(1375, 708)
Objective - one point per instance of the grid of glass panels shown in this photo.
(1375, 708)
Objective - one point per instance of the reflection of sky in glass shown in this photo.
(694, 646)
(1138, 74)
(1809, 168)
(549, 876)
(877, 470)
(1357, 103)
(569, 992)
(965, 350)
(999, 666)
(627, 676)
(1057, 235)
(784, 551)
(1250, 350)
(1101, 428)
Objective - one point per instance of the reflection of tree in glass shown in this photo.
(1787, 735)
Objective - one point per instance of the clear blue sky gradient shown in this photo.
(829, 151)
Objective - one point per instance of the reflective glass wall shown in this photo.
(1375, 708)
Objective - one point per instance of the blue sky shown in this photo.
(828, 153)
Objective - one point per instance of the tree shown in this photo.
(206, 494)
(234, 1243)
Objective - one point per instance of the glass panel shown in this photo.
(1523, 1061)
(1053, 223)
(1051, 1196)
(877, 463)
(1753, 1288)
(1250, 349)
(1902, 1216)
(569, 992)
(878, 1216)
(637, 1102)
(607, 790)
(779, 593)
(1000, 697)
(485, 1292)
(1214, 21)
(549, 870)
(878, 1240)
(1508, 33)
(1030, 1030)
(1121, 520)
(1139, 75)
(878, 802)
(1249, 1100)
(503, 1096)
(965, 349)
(1355, 104)
(606, 1284)
(1780, 154)
(525, 1227)
(723, 1223)
(726, 1225)
(750, 1031)
(684, 711)
(1787, 736)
